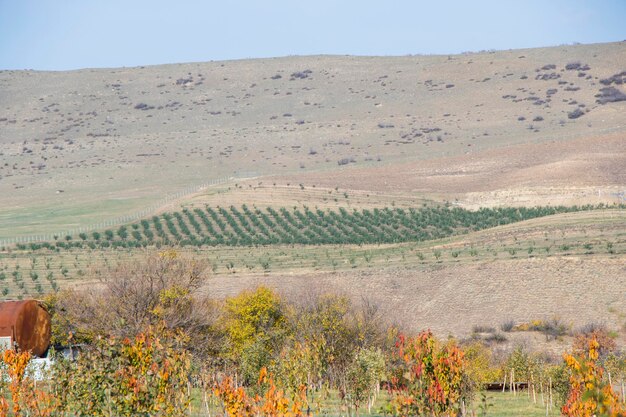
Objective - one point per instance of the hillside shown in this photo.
(333, 172)
(507, 127)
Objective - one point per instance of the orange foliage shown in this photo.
(25, 397)
(589, 395)
(234, 399)
(273, 403)
(429, 377)
(581, 342)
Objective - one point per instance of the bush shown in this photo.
(575, 114)
(610, 95)
(507, 326)
(132, 297)
(143, 375)
(143, 106)
(496, 338)
(483, 329)
(553, 328)
(615, 79)
(548, 76)
(301, 74)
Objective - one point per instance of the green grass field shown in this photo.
(501, 404)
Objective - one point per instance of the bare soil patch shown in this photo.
(581, 171)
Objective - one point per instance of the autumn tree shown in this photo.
(255, 324)
(164, 288)
(606, 344)
(481, 367)
(26, 398)
(271, 402)
(143, 375)
(428, 377)
(590, 394)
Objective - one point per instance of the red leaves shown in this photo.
(428, 378)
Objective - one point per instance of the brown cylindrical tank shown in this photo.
(27, 323)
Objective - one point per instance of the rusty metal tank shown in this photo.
(27, 324)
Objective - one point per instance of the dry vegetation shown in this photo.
(510, 128)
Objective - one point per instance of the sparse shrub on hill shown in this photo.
(548, 76)
(573, 66)
(301, 74)
(507, 325)
(343, 161)
(575, 114)
(553, 328)
(483, 329)
(143, 106)
(615, 79)
(610, 95)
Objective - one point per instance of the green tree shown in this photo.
(363, 377)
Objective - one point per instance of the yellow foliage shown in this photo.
(479, 366)
(273, 403)
(251, 315)
(169, 254)
(589, 394)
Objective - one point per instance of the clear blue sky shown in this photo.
(70, 34)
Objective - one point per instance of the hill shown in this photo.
(80, 147)
(96, 149)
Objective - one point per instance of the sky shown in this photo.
(74, 34)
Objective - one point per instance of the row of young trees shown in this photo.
(149, 337)
(249, 227)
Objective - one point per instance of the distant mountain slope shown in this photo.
(81, 146)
